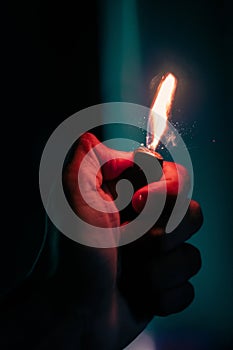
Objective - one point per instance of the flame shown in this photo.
(161, 107)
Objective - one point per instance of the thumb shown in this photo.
(114, 162)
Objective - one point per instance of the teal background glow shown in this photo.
(139, 41)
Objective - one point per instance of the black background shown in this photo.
(51, 69)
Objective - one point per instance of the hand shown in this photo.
(119, 290)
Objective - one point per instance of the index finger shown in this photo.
(175, 181)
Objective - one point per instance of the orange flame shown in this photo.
(161, 107)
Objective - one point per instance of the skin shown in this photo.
(122, 289)
(103, 298)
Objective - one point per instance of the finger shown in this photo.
(83, 179)
(91, 173)
(173, 300)
(175, 181)
(111, 169)
(174, 268)
(190, 224)
(156, 241)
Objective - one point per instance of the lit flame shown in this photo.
(161, 107)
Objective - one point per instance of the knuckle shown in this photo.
(185, 176)
(196, 215)
(197, 259)
(88, 140)
(176, 300)
(194, 257)
(182, 170)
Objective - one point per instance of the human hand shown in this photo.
(120, 289)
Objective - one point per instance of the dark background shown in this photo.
(60, 57)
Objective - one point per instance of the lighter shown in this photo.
(147, 161)
(147, 168)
